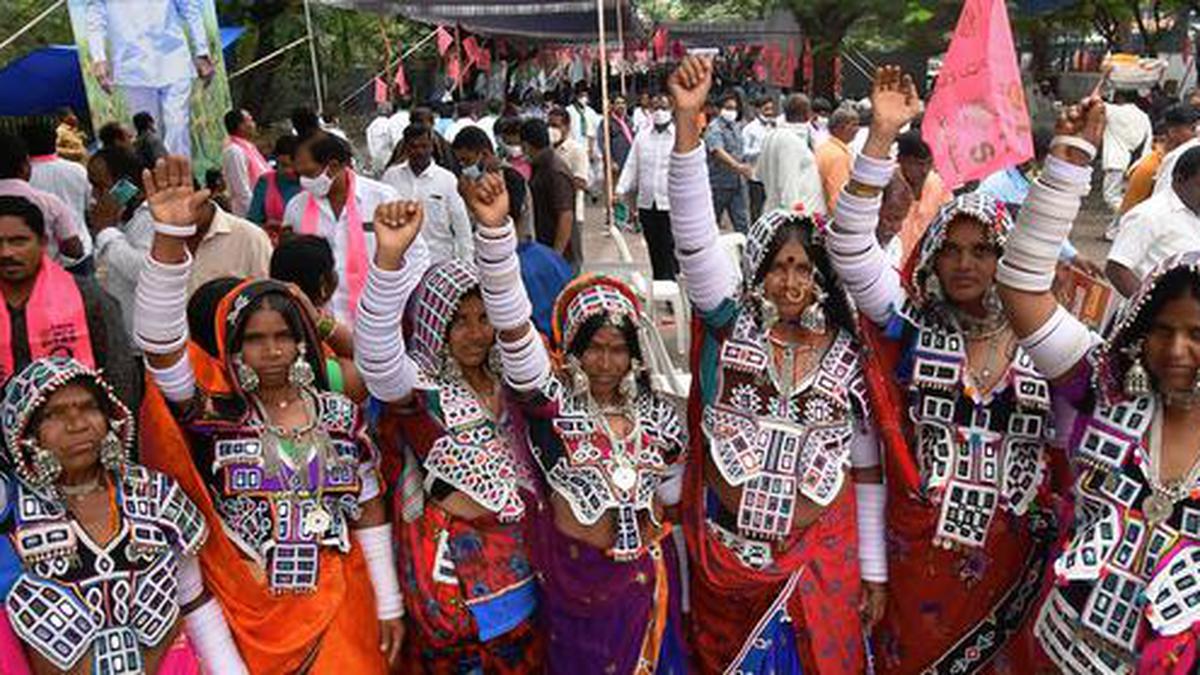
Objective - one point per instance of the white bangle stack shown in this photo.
(1044, 223)
(873, 171)
(870, 501)
(525, 361)
(710, 272)
(376, 543)
(177, 382)
(160, 319)
(378, 345)
(504, 297)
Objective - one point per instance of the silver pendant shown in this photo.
(1157, 508)
(624, 478)
(318, 520)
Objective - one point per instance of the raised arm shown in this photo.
(1054, 339)
(854, 250)
(522, 353)
(400, 261)
(709, 271)
(160, 320)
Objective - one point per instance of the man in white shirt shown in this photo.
(241, 161)
(754, 133)
(575, 156)
(787, 167)
(643, 113)
(1128, 136)
(226, 246)
(380, 142)
(63, 228)
(141, 47)
(396, 124)
(584, 122)
(645, 172)
(123, 229)
(821, 110)
(447, 227)
(60, 177)
(464, 116)
(1163, 225)
(323, 163)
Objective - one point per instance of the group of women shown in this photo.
(869, 473)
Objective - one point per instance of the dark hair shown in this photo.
(593, 324)
(233, 120)
(213, 178)
(14, 157)
(1178, 283)
(560, 113)
(535, 133)
(909, 144)
(202, 310)
(305, 260)
(109, 133)
(40, 138)
(121, 163)
(507, 125)
(63, 113)
(289, 309)
(417, 130)
(472, 138)
(143, 122)
(836, 304)
(325, 148)
(20, 207)
(286, 145)
(1041, 142)
(305, 122)
(821, 104)
(730, 95)
(1187, 166)
(421, 112)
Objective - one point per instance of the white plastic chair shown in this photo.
(656, 291)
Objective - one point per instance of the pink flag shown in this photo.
(976, 122)
(401, 80)
(483, 59)
(444, 40)
(381, 91)
(472, 50)
(453, 67)
(659, 42)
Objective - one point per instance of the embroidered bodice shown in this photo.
(776, 446)
(282, 499)
(1132, 568)
(595, 472)
(476, 455)
(976, 455)
(115, 599)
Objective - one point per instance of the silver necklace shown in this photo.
(1160, 503)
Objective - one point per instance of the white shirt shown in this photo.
(122, 252)
(380, 142)
(144, 40)
(457, 126)
(646, 168)
(788, 170)
(819, 131)
(753, 135)
(1153, 231)
(236, 168)
(368, 195)
(447, 228)
(61, 222)
(585, 125)
(397, 123)
(1126, 129)
(576, 158)
(642, 119)
(68, 181)
(1163, 179)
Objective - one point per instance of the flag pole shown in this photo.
(312, 53)
(621, 40)
(608, 188)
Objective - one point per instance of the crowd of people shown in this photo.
(291, 418)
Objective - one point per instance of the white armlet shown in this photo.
(1059, 343)
(368, 476)
(525, 362)
(861, 264)
(1044, 223)
(160, 310)
(871, 501)
(177, 381)
(504, 296)
(189, 580)
(209, 633)
(709, 270)
(376, 543)
(379, 354)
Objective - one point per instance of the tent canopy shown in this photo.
(49, 78)
(551, 20)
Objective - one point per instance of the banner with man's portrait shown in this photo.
(162, 57)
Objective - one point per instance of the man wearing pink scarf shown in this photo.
(241, 161)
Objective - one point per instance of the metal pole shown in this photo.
(312, 52)
(27, 27)
(251, 66)
(608, 188)
(621, 39)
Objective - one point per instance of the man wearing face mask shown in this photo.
(727, 168)
(474, 152)
(339, 205)
(584, 122)
(447, 228)
(754, 135)
(787, 166)
(575, 157)
(646, 172)
(508, 131)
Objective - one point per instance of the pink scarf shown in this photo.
(256, 164)
(273, 206)
(356, 240)
(55, 323)
(624, 128)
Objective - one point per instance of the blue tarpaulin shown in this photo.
(48, 78)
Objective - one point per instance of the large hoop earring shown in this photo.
(246, 376)
(300, 373)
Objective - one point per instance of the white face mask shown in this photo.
(317, 187)
(583, 100)
(728, 115)
(514, 150)
(555, 136)
(662, 118)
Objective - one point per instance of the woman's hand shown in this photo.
(397, 225)
(1084, 121)
(872, 604)
(689, 84)
(894, 100)
(391, 637)
(171, 193)
(486, 198)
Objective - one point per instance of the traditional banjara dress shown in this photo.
(293, 580)
(75, 598)
(469, 587)
(1126, 591)
(767, 596)
(968, 549)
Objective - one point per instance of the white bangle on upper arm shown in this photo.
(1058, 344)
(376, 543)
(870, 504)
(177, 382)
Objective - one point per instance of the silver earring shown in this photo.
(812, 319)
(300, 373)
(770, 315)
(112, 453)
(43, 468)
(1137, 380)
(246, 377)
(1196, 384)
(629, 383)
(579, 379)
